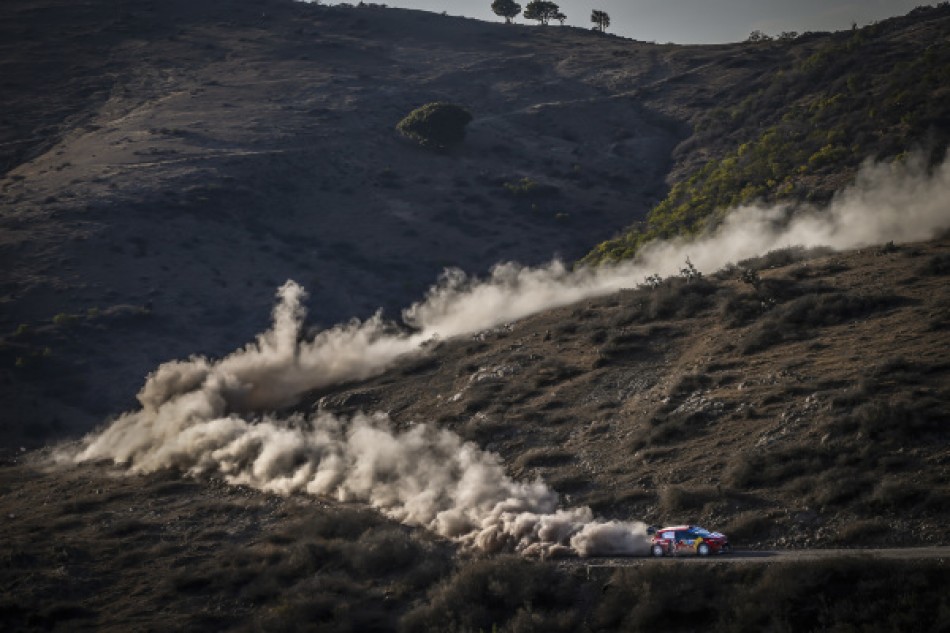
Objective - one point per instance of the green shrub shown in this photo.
(524, 187)
(436, 125)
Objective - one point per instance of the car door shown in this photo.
(682, 541)
(669, 541)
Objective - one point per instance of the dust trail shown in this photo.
(888, 202)
(198, 417)
(211, 417)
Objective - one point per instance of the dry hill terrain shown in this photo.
(795, 400)
(818, 422)
(166, 165)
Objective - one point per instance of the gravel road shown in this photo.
(769, 556)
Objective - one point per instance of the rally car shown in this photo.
(687, 539)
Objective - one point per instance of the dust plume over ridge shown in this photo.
(209, 417)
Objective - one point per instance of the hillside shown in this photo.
(166, 166)
(798, 399)
(817, 422)
(180, 449)
(194, 156)
(797, 130)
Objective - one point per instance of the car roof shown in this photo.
(676, 527)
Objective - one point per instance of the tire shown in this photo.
(657, 550)
(703, 549)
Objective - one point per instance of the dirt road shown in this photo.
(769, 556)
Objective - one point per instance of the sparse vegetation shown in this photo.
(833, 462)
(800, 129)
(797, 319)
(797, 400)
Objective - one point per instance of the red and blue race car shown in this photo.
(687, 539)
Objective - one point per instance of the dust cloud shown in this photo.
(217, 418)
(198, 417)
(899, 202)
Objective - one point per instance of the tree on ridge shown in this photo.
(600, 19)
(543, 11)
(508, 9)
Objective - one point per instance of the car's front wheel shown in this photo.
(703, 549)
(658, 550)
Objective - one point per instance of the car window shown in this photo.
(667, 535)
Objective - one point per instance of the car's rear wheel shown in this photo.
(703, 549)
(658, 550)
